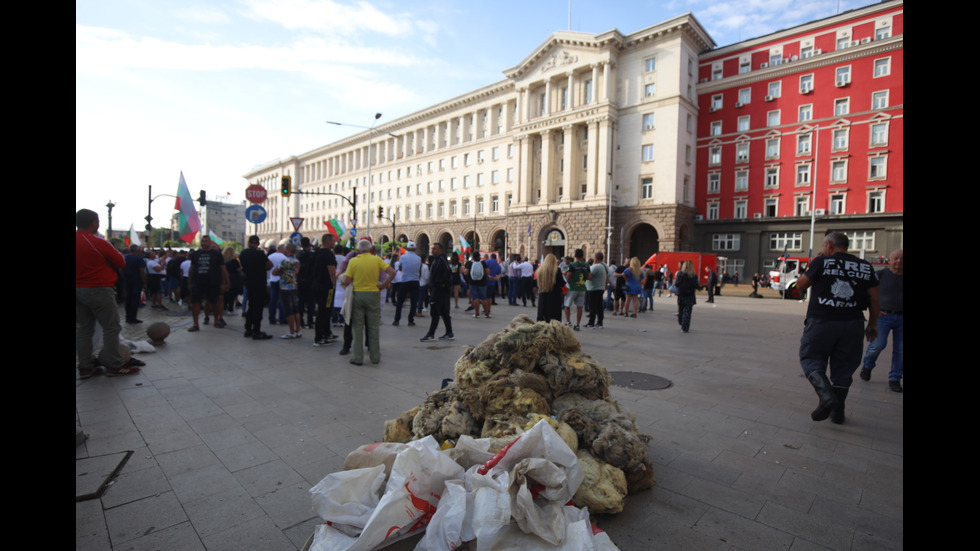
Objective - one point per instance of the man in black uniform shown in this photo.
(324, 280)
(843, 287)
(255, 265)
(440, 287)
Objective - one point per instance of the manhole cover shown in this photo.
(638, 381)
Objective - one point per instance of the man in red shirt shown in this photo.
(96, 265)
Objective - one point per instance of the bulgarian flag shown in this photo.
(217, 240)
(335, 227)
(464, 245)
(190, 224)
(132, 238)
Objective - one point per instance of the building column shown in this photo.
(525, 181)
(547, 97)
(568, 164)
(548, 194)
(591, 171)
(604, 160)
(570, 96)
(595, 83)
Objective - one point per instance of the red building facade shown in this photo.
(803, 128)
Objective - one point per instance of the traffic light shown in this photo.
(203, 199)
(287, 183)
(381, 212)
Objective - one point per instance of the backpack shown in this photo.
(476, 271)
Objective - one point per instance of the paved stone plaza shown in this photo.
(227, 434)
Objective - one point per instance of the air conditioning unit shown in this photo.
(757, 215)
(739, 104)
(840, 83)
(763, 65)
(817, 51)
(705, 79)
(699, 217)
(769, 98)
(806, 90)
(865, 40)
(794, 58)
(713, 109)
(854, 43)
(820, 212)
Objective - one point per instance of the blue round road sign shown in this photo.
(255, 214)
(295, 238)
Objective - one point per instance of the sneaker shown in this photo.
(470, 309)
(589, 326)
(598, 326)
(568, 323)
(395, 323)
(576, 328)
(207, 321)
(895, 386)
(219, 324)
(411, 324)
(427, 338)
(865, 374)
(321, 342)
(447, 337)
(261, 336)
(487, 315)
(344, 351)
(476, 316)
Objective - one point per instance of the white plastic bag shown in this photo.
(347, 499)
(418, 478)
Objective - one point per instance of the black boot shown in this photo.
(825, 391)
(837, 416)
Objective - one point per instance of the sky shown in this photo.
(214, 89)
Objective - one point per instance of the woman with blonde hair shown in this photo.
(550, 283)
(686, 282)
(634, 278)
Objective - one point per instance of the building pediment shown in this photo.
(565, 51)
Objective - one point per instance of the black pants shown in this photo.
(596, 311)
(439, 307)
(256, 304)
(324, 304)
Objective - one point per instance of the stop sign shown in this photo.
(256, 193)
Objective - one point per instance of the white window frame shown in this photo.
(742, 152)
(745, 96)
(882, 67)
(650, 64)
(646, 188)
(802, 205)
(788, 241)
(838, 171)
(806, 83)
(861, 240)
(804, 144)
(773, 118)
(649, 90)
(842, 106)
(803, 175)
(647, 153)
(714, 182)
(879, 134)
(842, 74)
(805, 112)
(837, 203)
(741, 209)
(876, 200)
(717, 101)
(712, 210)
(726, 242)
(648, 121)
(715, 128)
(742, 180)
(879, 99)
(772, 148)
(770, 204)
(772, 177)
(841, 137)
(775, 89)
(743, 124)
(877, 167)
(714, 156)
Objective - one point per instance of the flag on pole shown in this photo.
(529, 229)
(217, 240)
(335, 227)
(464, 245)
(189, 223)
(132, 238)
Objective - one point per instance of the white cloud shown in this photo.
(329, 17)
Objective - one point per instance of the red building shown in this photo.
(803, 127)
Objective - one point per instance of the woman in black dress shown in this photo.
(550, 283)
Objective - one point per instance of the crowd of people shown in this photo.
(331, 286)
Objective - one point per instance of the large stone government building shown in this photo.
(633, 144)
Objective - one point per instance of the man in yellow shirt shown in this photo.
(364, 270)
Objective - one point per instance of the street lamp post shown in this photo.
(371, 131)
(108, 230)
